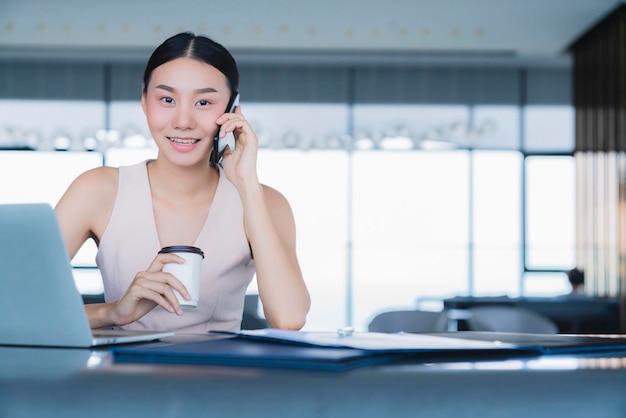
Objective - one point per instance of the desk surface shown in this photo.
(38, 382)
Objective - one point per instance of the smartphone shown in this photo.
(219, 144)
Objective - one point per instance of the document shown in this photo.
(550, 343)
(371, 341)
(448, 342)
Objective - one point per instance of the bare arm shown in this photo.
(270, 228)
(79, 214)
(272, 234)
(83, 212)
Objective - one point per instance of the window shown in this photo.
(47, 125)
(550, 212)
(549, 129)
(410, 223)
(43, 177)
(496, 210)
(315, 184)
(429, 202)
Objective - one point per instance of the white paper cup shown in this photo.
(188, 272)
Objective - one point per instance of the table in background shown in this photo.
(576, 314)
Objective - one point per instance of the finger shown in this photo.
(175, 283)
(236, 125)
(161, 259)
(149, 278)
(146, 294)
(160, 287)
(223, 119)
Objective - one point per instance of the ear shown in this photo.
(143, 101)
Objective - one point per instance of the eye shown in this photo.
(203, 103)
(167, 100)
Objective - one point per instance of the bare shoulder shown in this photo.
(102, 173)
(97, 182)
(275, 199)
(93, 191)
(86, 206)
(279, 208)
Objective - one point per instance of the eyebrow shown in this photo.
(200, 91)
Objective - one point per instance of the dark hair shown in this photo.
(576, 277)
(201, 48)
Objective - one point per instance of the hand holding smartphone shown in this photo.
(219, 144)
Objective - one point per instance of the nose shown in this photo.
(183, 118)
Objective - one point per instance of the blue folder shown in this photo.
(233, 349)
(332, 351)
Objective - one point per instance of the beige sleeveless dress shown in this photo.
(130, 242)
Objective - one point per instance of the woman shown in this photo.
(180, 198)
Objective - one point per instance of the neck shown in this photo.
(181, 183)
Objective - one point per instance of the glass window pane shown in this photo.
(425, 125)
(128, 120)
(130, 140)
(43, 177)
(496, 222)
(550, 212)
(50, 124)
(495, 127)
(497, 201)
(496, 271)
(410, 228)
(389, 278)
(401, 193)
(546, 284)
(300, 126)
(549, 128)
(37, 176)
(318, 198)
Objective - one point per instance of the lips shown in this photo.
(184, 141)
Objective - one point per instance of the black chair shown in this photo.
(509, 319)
(412, 321)
(251, 318)
(93, 298)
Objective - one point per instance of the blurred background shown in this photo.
(427, 148)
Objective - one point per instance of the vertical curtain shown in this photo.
(599, 76)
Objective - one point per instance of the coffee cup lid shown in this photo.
(181, 249)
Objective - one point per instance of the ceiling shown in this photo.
(454, 30)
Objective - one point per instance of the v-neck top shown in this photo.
(130, 242)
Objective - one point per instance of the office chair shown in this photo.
(251, 318)
(509, 319)
(414, 321)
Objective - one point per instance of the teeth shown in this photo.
(184, 141)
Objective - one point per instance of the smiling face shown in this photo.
(182, 101)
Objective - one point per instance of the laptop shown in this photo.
(40, 304)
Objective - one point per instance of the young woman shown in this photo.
(180, 198)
